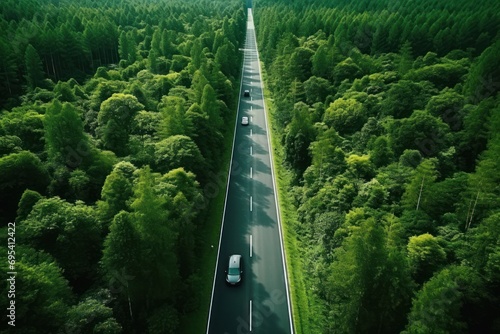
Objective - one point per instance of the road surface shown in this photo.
(251, 226)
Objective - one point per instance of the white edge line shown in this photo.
(227, 190)
(288, 297)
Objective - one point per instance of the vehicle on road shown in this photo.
(244, 120)
(233, 272)
(246, 93)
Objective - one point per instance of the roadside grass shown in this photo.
(300, 300)
(196, 321)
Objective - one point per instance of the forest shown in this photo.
(113, 122)
(387, 118)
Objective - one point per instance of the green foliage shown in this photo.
(157, 240)
(117, 190)
(42, 293)
(55, 226)
(64, 137)
(437, 307)
(404, 97)
(298, 136)
(179, 151)
(382, 153)
(18, 172)
(401, 110)
(359, 283)
(115, 121)
(425, 256)
(91, 315)
(34, 72)
(106, 80)
(346, 116)
(420, 188)
(482, 81)
(420, 131)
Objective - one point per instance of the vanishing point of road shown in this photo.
(251, 225)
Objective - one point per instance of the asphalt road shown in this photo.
(251, 227)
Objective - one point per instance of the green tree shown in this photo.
(92, 316)
(448, 105)
(121, 261)
(406, 58)
(368, 283)
(123, 47)
(173, 117)
(34, 69)
(404, 97)
(210, 106)
(28, 126)
(64, 136)
(381, 154)
(316, 89)
(482, 81)
(321, 62)
(115, 121)
(419, 191)
(300, 63)
(157, 243)
(208, 140)
(8, 68)
(422, 131)
(346, 69)
(437, 307)
(328, 158)
(18, 172)
(198, 84)
(55, 226)
(42, 293)
(179, 151)
(298, 136)
(26, 203)
(117, 190)
(153, 61)
(345, 115)
(184, 205)
(360, 166)
(425, 256)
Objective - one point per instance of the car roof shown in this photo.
(234, 261)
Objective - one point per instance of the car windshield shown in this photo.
(233, 271)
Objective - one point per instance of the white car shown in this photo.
(244, 120)
(234, 269)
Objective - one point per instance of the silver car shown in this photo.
(244, 120)
(233, 272)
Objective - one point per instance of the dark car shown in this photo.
(233, 273)
(246, 93)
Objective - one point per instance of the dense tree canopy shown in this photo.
(113, 115)
(388, 116)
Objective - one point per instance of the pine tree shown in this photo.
(34, 68)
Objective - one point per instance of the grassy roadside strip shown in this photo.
(196, 322)
(299, 298)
